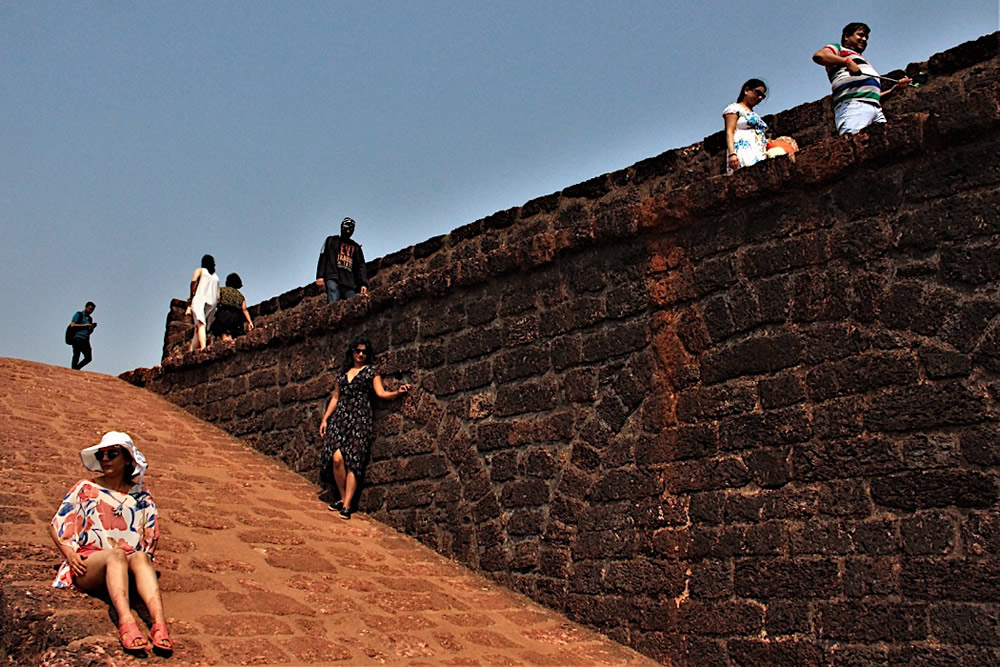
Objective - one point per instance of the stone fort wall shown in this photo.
(722, 419)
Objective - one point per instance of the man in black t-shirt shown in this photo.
(341, 268)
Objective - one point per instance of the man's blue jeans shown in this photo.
(337, 292)
(853, 116)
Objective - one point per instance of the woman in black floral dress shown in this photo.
(349, 438)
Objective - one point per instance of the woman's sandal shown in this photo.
(131, 638)
(161, 638)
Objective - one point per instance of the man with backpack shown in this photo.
(78, 335)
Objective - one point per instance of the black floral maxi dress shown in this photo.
(351, 428)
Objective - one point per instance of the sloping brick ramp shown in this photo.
(253, 567)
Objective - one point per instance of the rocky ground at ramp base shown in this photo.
(253, 568)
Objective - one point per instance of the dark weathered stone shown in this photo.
(929, 533)
(592, 189)
(951, 579)
(872, 622)
(725, 618)
(925, 406)
(965, 624)
(935, 488)
(788, 618)
(781, 390)
(867, 577)
(428, 247)
(963, 55)
(790, 653)
(684, 442)
(861, 374)
(545, 204)
(753, 356)
(705, 475)
(713, 402)
(832, 459)
(779, 427)
(785, 578)
(623, 484)
(981, 445)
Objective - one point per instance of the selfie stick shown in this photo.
(918, 80)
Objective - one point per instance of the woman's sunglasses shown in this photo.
(360, 350)
(109, 454)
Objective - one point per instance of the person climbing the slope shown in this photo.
(78, 335)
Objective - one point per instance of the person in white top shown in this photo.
(203, 301)
(746, 141)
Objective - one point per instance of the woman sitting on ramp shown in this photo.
(106, 530)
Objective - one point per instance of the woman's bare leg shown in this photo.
(194, 335)
(145, 582)
(340, 474)
(109, 568)
(351, 484)
(202, 342)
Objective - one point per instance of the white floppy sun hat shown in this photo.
(115, 439)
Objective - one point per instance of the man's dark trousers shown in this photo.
(81, 347)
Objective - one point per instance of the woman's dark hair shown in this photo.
(852, 28)
(233, 280)
(349, 355)
(750, 85)
(129, 470)
(208, 262)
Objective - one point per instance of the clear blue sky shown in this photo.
(137, 136)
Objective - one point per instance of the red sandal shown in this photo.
(161, 638)
(131, 638)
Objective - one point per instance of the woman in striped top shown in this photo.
(856, 86)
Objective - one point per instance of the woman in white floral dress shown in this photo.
(106, 529)
(746, 143)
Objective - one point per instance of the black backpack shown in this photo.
(70, 333)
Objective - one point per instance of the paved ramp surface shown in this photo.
(254, 569)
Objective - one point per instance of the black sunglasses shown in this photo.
(360, 350)
(760, 93)
(109, 454)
